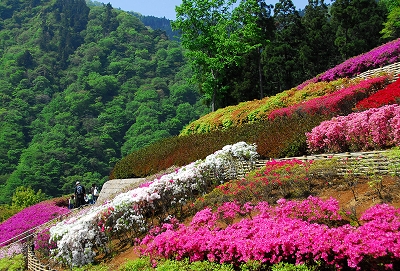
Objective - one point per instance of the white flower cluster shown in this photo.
(77, 236)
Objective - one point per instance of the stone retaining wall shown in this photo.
(113, 187)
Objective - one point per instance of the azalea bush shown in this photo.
(11, 250)
(30, 218)
(134, 212)
(383, 55)
(292, 231)
(182, 150)
(376, 128)
(340, 102)
(277, 179)
(258, 110)
(389, 95)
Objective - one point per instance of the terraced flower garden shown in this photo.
(202, 216)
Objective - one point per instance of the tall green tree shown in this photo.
(358, 24)
(282, 62)
(216, 35)
(391, 28)
(247, 82)
(318, 52)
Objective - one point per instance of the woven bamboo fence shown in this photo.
(367, 163)
(34, 263)
(391, 69)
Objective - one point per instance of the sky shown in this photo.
(166, 8)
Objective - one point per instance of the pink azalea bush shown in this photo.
(30, 218)
(11, 250)
(340, 102)
(376, 128)
(287, 232)
(378, 57)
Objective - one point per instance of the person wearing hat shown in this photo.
(79, 194)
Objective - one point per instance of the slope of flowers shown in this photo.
(385, 54)
(259, 109)
(388, 53)
(78, 238)
(376, 128)
(291, 231)
(29, 218)
(389, 95)
(339, 102)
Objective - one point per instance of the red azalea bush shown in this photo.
(30, 218)
(339, 102)
(389, 95)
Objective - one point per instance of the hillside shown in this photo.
(337, 190)
(81, 87)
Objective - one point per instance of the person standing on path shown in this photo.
(71, 202)
(79, 194)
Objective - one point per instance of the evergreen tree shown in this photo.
(282, 56)
(318, 52)
(357, 24)
(247, 82)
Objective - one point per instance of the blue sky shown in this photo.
(166, 8)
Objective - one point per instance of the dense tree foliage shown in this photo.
(293, 45)
(81, 86)
(357, 24)
(216, 37)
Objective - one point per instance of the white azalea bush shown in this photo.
(132, 213)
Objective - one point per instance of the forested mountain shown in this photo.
(80, 88)
(156, 23)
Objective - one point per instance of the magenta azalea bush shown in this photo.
(288, 232)
(30, 218)
(383, 55)
(376, 128)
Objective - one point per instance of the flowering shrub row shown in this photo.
(287, 232)
(339, 102)
(385, 54)
(182, 150)
(389, 95)
(29, 218)
(250, 111)
(376, 128)
(78, 237)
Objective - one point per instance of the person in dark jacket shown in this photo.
(79, 194)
